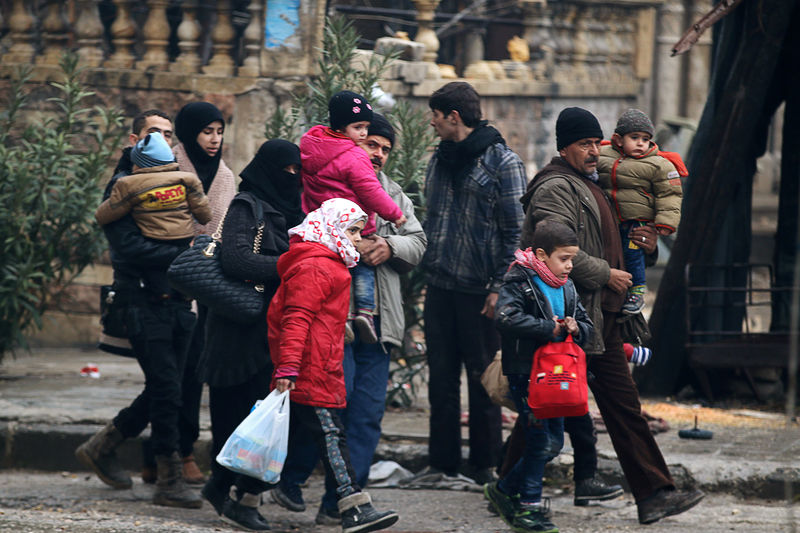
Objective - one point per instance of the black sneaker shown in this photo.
(328, 517)
(667, 502)
(594, 488)
(244, 514)
(533, 518)
(288, 496)
(500, 502)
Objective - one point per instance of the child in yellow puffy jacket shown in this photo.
(644, 188)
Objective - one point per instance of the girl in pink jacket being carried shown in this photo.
(335, 166)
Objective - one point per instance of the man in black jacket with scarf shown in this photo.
(160, 323)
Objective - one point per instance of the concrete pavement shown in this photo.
(47, 409)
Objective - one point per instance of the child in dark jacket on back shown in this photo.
(537, 304)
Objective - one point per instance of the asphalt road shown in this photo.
(33, 502)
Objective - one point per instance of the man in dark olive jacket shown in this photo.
(566, 190)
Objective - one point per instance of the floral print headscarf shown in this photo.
(327, 225)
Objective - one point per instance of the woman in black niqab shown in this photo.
(269, 177)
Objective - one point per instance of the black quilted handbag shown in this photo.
(197, 273)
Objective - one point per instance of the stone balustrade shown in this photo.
(171, 43)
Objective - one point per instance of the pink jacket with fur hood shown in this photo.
(336, 167)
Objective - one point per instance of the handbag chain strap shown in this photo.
(257, 248)
(216, 237)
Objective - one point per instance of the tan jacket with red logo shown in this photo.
(161, 199)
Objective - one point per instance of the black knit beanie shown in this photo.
(380, 126)
(574, 124)
(634, 120)
(347, 107)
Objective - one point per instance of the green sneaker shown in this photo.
(503, 504)
(532, 518)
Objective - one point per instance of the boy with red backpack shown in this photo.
(537, 305)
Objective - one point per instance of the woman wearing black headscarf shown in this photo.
(236, 362)
(199, 127)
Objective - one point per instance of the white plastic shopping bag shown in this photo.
(258, 446)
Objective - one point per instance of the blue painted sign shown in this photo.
(282, 24)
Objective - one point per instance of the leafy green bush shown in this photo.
(50, 172)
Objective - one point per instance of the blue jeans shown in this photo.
(543, 441)
(363, 287)
(634, 256)
(366, 372)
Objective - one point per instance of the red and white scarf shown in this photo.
(327, 225)
(527, 259)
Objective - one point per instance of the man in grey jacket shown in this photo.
(393, 251)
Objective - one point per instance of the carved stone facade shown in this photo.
(248, 59)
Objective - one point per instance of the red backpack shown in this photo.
(558, 381)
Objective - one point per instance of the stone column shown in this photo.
(668, 76)
(89, 33)
(123, 34)
(538, 34)
(156, 37)
(563, 32)
(188, 40)
(20, 26)
(54, 34)
(699, 70)
(426, 36)
(474, 49)
(221, 62)
(253, 39)
(580, 44)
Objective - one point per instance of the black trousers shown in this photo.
(159, 332)
(192, 387)
(618, 400)
(457, 336)
(583, 437)
(228, 406)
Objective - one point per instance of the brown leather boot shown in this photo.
(171, 489)
(99, 454)
(191, 472)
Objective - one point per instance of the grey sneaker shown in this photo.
(634, 303)
(349, 336)
(365, 325)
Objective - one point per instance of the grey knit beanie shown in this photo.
(634, 120)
